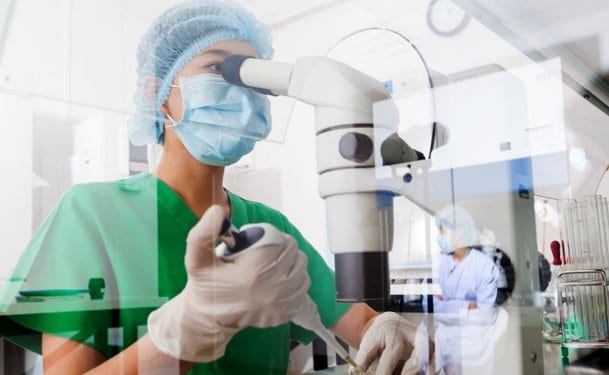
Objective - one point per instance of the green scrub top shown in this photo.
(132, 233)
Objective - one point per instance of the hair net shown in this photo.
(172, 41)
(460, 222)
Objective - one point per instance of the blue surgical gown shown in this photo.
(462, 335)
(473, 279)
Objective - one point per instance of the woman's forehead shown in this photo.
(230, 47)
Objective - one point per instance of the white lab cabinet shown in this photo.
(101, 149)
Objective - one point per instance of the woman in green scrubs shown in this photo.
(132, 232)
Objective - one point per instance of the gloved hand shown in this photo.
(391, 339)
(262, 287)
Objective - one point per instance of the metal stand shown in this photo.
(583, 310)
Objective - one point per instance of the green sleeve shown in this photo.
(64, 253)
(322, 290)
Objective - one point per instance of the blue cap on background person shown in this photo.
(460, 222)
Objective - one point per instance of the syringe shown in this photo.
(234, 242)
(308, 317)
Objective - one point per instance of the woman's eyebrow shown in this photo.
(215, 51)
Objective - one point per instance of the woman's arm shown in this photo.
(385, 339)
(352, 326)
(64, 356)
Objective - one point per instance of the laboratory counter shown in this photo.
(580, 361)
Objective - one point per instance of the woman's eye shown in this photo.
(217, 67)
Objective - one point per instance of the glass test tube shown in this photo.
(597, 232)
(567, 230)
(595, 228)
(591, 294)
(602, 239)
(605, 212)
(596, 241)
(604, 256)
(577, 235)
(583, 219)
(602, 232)
(592, 231)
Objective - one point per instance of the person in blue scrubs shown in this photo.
(465, 312)
(467, 277)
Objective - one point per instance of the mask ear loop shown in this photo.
(174, 123)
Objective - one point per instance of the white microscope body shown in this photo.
(359, 190)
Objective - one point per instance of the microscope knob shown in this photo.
(545, 273)
(356, 147)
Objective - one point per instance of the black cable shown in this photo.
(433, 138)
(427, 70)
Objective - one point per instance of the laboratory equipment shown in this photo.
(585, 226)
(584, 308)
(354, 115)
(235, 242)
(582, 293)
(359, 217)
(197, 324)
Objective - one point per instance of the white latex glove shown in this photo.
(391, 339)
(262, 287)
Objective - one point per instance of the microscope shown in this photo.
(359, 215)
(363, 165)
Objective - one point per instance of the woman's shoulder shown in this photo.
(102, 191)
(254, 210)
(245, 211)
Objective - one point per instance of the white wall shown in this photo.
(62, 66)
(53, 147)
(16, 172)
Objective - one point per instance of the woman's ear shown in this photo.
(164, 109)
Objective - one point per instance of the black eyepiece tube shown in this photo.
(231, 67)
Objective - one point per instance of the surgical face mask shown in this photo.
(445, 244)
(221, 122)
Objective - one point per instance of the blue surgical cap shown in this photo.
(172, 41)
(460, 222)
